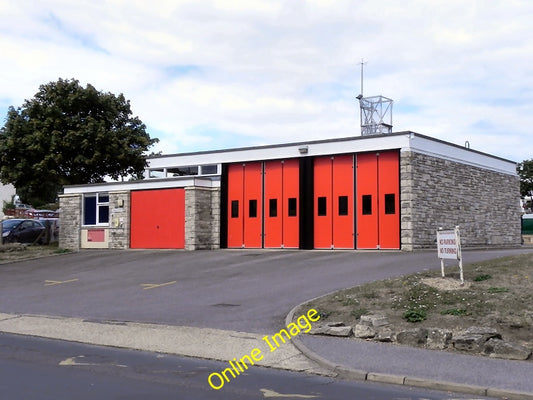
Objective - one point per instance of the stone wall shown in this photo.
(202, 218)
(441, 193)
(119, 220)
(70, 220)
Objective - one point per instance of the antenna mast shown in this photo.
(376, 112)
(362, 67)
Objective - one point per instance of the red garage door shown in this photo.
(378, 200)
(158, 219)
(281, 183)
(245, 205)
(334, 216)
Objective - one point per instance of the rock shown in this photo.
(365, 320)
(412, 337)
(319, 330)
(497, 348)
(486, 332)
(332, 329)
(363, 331)
(438, 339)
(344, 331)
(384, 334)
(474, 338)
(374, 320)
(469, 342)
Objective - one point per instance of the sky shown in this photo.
(214, 74)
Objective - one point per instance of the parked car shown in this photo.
(22, 231)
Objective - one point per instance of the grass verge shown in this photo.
(498, 293)
(18, 252)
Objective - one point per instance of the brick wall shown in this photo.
(202, 218)
(443, 193)
(70, 220)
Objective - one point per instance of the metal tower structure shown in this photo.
(376, 115)
(376, 112)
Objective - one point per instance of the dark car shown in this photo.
(22, 231)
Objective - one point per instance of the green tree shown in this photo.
(66, 135)
(525, 171)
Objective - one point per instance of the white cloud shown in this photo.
(202, 74)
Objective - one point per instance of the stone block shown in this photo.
(497, 348)
(343, 331)
(332, 329)
(486, 332)
(438, 339)
(385, 334)
(474, 338)
(374, 320)
(412, 337)
(363, 331)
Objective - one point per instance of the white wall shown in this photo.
(6, 194)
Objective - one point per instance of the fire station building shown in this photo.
(390, 191)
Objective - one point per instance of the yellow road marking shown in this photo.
(271, 393)
(71, 361)
(156, 285)
(50, 283)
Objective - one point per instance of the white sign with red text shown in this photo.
(447, 244)
(449, 247)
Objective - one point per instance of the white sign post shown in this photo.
(449, 246)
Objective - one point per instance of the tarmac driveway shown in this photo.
(243, 290)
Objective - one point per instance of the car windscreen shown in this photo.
(9, 224)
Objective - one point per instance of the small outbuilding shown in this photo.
(388, 191)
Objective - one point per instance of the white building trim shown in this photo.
(406, 141)
(145, 184)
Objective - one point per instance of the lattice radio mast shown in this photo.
(376, 112)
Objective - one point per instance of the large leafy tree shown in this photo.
(525, 171)
(68, 134)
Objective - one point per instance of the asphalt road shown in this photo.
(43, 369)
(246, 290)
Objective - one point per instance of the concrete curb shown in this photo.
(344, 372)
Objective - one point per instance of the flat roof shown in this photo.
(405, 141)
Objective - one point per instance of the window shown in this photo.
(252, 208)
(26, 225)
(390, 204)
(343, 205)
(273, 207)
(96, 209)
(182, 171)
(157, 173)
(322, 206)
(367, 204)
(209, 169)
(292, 207)
(235, 209)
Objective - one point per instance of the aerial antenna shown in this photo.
(376, 111)
(362, 70)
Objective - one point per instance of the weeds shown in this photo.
(415, 315)
(458, 312)
(482, 277)
(497, 290)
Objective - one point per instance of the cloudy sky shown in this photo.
(211, 74)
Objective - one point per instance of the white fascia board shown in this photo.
(291, 150)
(144, 184)
(448, 151)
